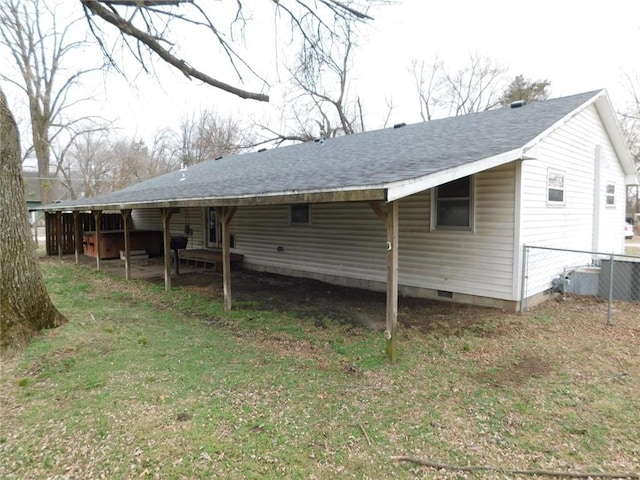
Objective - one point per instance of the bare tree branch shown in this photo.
(126, 27)
(474, 88)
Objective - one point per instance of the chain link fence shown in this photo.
(559, 271)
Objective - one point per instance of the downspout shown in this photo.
(595, 234)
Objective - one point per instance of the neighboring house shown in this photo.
(32, 194)
(470, 192)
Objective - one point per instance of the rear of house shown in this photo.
(471, 191)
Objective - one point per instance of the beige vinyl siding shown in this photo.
(150, 219)
(342, 239)
(349, 241)
(475, 263)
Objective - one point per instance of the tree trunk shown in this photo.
(25, 306)
(39, 130)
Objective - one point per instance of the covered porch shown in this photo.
(66, 227)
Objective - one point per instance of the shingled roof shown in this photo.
(382, 164)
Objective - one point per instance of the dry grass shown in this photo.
(143, 384)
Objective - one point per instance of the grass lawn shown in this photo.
(146, 384)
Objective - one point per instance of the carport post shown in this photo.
(392, 282)
(166, 240)
(97, 215)
(59, 228)
(126, 219)
(225, 214)
(76, 234)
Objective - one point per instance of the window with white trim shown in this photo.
(300, 214)
(555, 187)
(611, 194)
(213, 230)
(453, 205)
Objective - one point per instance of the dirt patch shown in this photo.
(518, 371)
(59, 359)
(323, 302)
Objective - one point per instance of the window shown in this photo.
(555, 187)
(213, 238)
(453, 205)
(611, 195)
(300, 215)
(213, 231)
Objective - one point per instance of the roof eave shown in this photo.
(355, 194)
(612, 126)
(399, 190)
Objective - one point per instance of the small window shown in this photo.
(555, 187)
(300, 215)
(453, 206)
(611, 195)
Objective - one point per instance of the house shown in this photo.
(32, 194)
(440, 209)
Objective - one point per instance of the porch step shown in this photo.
(135, 255)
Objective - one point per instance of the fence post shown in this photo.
(609, 307)
(523, 281)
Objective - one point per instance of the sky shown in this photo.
(577, 45)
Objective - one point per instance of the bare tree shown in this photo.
(321, 99)
(86, 165)
(162, 155)
(474, 88)
(40, 46)
(322, 75)
(25, 306)
(207, 135)
(429, 81)
(97, 163)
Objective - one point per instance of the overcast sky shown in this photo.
(577, 45)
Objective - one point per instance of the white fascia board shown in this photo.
(631, 179)
(612, 126)
(405, 188)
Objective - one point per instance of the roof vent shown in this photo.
(518, 104)
(262, 150)
(400, 125)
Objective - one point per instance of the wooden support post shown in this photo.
(77, 235)
(126, 219)
(97, 215)
(59, 233)
(166, 241)
(392, 282)
(225, 214)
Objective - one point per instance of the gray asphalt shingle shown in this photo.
(367, 160)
